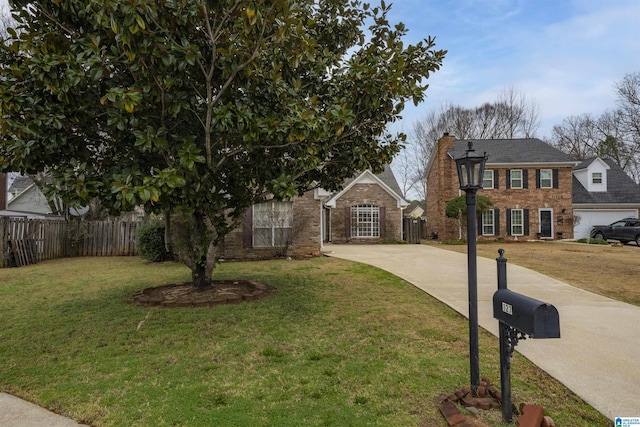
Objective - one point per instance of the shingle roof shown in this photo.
(584, 164)
(389, 178)
(385, 176)
(19, 184)
(517, 151)
(621, 189)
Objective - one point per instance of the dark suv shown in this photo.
(625, 230)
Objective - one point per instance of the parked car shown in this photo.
(624, 230)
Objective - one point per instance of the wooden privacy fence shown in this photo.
(414, 229)
(27, 241)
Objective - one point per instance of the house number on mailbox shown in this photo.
(507, 308)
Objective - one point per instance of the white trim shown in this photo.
(286, 222)
(531, 165)
(493, 175)
(20, 194)
(521, 224)
(540, 210)
(550, 178)
(493, 222)
(511, 171)
(367, 177)
(372, 223)
(605, 206)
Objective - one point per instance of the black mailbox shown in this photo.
(530, 316)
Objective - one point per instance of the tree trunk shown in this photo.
(168, 236)
(204, 251)
(202, 272)
(199, 276)
(193, 241)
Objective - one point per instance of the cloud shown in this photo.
(565, 55)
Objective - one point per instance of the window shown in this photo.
(487, 179)
(596, 178)
(546, 178)
(272, 224)
(488, 223)
(365, 221)
(517, 222)
(516, 178)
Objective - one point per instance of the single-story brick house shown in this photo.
(367, 210)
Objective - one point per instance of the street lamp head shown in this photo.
(471, 169)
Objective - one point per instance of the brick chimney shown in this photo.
(3, 191)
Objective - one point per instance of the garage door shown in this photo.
(591, 217)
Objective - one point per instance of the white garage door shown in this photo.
(591, 217)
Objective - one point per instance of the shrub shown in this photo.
(150, 240)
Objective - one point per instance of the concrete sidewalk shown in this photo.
(598, 354)
(15, 412)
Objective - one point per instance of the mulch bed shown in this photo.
(186, 295)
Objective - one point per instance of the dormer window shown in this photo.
(596, 178)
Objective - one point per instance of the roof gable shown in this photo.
(20, 184)
(589, 163)
(386, 180)
(621, 189)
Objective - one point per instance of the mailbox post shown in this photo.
(519, 316)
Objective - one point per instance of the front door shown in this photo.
(546, 223)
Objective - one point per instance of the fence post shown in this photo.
(3, 242)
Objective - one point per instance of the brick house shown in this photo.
(367, 210)
(528, 181)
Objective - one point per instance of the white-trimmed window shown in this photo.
(365, 221)
(516, 178)
(272, 224)
(488, 223)
(546, 178)
(517, 222)
(487, 179)
(596, 178)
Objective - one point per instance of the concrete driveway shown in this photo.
(598, 354)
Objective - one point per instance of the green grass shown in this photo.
(335, 344)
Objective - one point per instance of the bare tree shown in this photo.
(511, 115)
(628, 91)
(615, 134)
(577, 136)
(518, 117)
(407, 170)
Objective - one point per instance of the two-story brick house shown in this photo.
(368, 209)
(528, 181)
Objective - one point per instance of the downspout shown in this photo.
(402, 222)
(323, 224)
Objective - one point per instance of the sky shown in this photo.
(564, 55)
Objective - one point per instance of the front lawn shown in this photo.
(611, 271)
(335, 343)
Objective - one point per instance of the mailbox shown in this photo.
(528, 315)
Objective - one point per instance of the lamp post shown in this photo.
(470, 174)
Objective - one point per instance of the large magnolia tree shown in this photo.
(203, 107)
